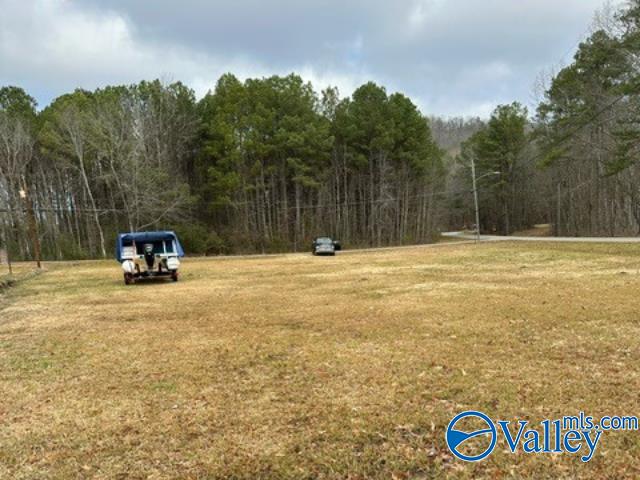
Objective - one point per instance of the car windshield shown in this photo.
(157, 247)
(323, 240)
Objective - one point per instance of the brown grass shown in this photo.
(542, 230)
(301, 367)
(18, 273)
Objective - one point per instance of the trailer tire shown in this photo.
(128, 279)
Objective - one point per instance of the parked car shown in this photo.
(148, 255)
(325, 246)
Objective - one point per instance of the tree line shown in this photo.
(589, 131)
(260, 165)
(264, 165)
(574, 161)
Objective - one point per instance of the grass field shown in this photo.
(301, 367)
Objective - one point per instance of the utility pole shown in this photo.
(475, 198)
(33, 225)
(475, 194)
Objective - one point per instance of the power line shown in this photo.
(239, 204)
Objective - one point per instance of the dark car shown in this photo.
(325, 246)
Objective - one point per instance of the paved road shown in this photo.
(498, 238)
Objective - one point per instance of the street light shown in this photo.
(475, 194)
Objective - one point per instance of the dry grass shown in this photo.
(542, 230)
(301, 367)
(19, 272)
(19, 269)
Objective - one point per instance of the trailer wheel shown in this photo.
(128, 279)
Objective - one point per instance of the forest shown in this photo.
(266, 164)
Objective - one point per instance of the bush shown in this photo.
(196, 239)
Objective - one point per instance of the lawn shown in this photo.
(18, 272)
(295, 366)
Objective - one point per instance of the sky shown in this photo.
(452, 57)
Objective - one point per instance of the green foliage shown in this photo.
(262, 127)
(67, 248)
(197, 239)
(262, 164)
(16, 103)
(373, 124)
(497, 151)
(271, 146)
(583, 97)
(497, 147)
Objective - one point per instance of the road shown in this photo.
(498, 238)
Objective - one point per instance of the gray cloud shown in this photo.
(451, 57)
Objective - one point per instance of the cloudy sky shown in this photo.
(453, 57)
